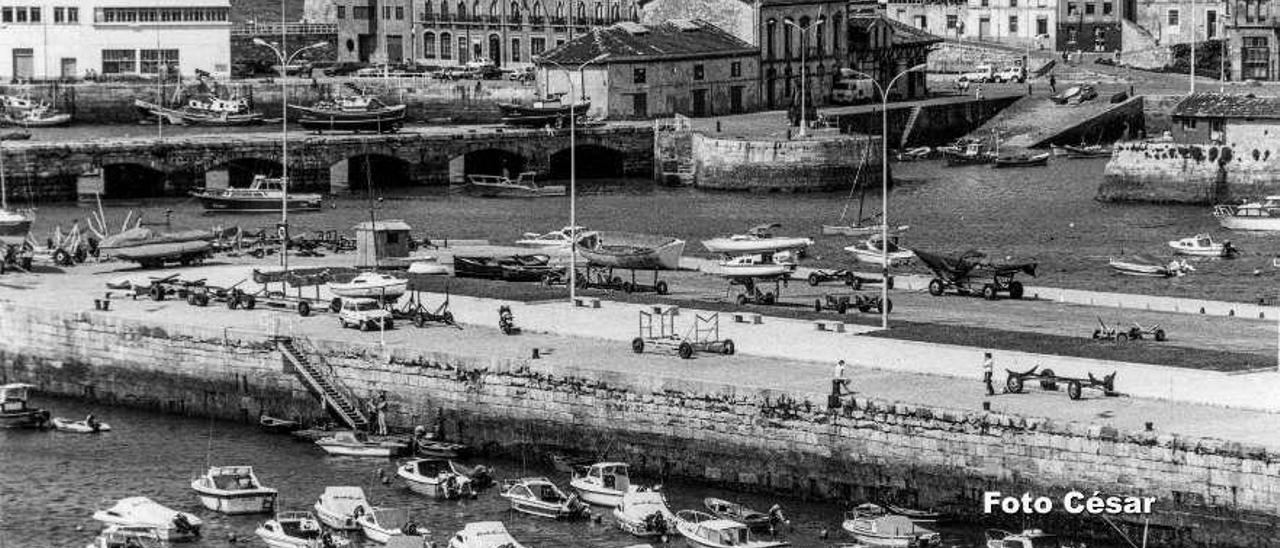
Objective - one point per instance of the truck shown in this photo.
(980, 74)
(852, 91)
(1012, 74)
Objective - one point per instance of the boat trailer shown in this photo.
(848, 277)
(1017, 380)
(752, 294)
(1135, 332)
(414, 310)
(862, 301)
(602, 277)
(703, 337)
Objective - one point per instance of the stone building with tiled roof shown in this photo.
(1218, 117)
(883, 48)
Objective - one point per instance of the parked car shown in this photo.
(853, 91)
(1011, 75)
(526, 75)
(364, 314)
(981, 74)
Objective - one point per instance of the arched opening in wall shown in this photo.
(132, 181)
(493, 161)
(377, 170)
(594, 162)
(241, 171)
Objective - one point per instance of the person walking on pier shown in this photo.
(988, 367)
(1053, 84)
(839, 384)
(382, 414)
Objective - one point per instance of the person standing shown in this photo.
(988, 369)
(382, 414)
(1053, 84)
(839, 383)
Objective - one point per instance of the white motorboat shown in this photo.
(234, 490)
(356, 444)
(872, 251)
(759, 239)
(524, 186)
(1030, 538)
(644, 513)
(264, 194)
(754, 266)
(733, 511)
(1261, 215)
(1140, 265)
(703, 530)
(120, 536)
(381, 524)
(337, 507)
(1202, 245)
(298, 530)
(562, 238)
(434, 478)
(871, 524)
(602, 484)
(429, 265)
(373, 285)
(85, 426)
(484, 534)
(14, 411)
(169, 524)
(541, 497)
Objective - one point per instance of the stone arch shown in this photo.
(133, 180)
(594, 162)
(239, 172)
(377, 170)
(495, 49)
(486, 161)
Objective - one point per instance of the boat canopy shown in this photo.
(14, 392)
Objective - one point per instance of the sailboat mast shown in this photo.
(4, 190)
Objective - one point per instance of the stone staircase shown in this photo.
(323, 384)
(910, 126)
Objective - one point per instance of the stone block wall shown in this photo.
(1210, 492)
(937, 124)
(1246, 166)
(789, 166)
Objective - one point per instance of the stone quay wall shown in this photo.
(1209, 492)
(938, 123)
(800, 165)
(1246, 165)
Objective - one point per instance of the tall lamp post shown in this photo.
(804, 66)
(284, 139)
(573, 171)
(884, 183)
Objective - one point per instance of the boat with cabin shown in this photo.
(371, 285)
(1021, 160)
(350, 443)
(121, 536)
(703, 530)
(1202, 245)
(203, 110)
(43, 115)
(644, 513)
(733, 511)
(631, 251)
(755, 266)
(234, 490)
(264, 194)
(298, 530)
(551, 111)
(872, 524)
(541, 497)
(973, 153)
(435, 478)
(352, 113)
(338, 507)
(484, 534)
(759, 239)
(499, 186)
(874, 251)
(15, 409)
(169, 524)
(380, 525)
(603, 483)
(1258, 215)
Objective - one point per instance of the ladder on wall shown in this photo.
(323, 384)
(910, 126)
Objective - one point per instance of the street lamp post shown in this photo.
(884, 184)
(804, 66)
(284, 139)
(573, 171)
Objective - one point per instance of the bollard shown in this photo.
(717, 126)
(1150, 426)
(97, 304)
(986, 406)
(536, 354)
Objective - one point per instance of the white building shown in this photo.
(49, 39)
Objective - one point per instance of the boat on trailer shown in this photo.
(631, 251)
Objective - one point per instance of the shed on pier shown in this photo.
(376, 242)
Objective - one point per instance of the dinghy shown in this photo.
(169, 524)
(382, 524)
(86, 426)
(632, 251)
(434, 478)
(298, 530)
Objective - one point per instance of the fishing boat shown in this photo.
(234, 490)
(1261, 215)
(152, 249)
(356, 444)
(541, 497)
(441, 449)
(602, 484)
(352, 113)
(1086, 151)
(434, 478)
(873, 251)
(548, 112)
(754, 266)
(484, 534)
(524, 186)
(1140, 265)
(703, 530)
(757, 240)
(1203, 245)
(633, 251)
(870, 523)
(205, 110)
(1021, 160)
(1030, 538)
(83, 426)
(298, 530)
(41, 116)
(170, 525)
(15, 412)
(511, 268)
(562, 238)
(733, 511)
(120, 536)
(264, 194)
(644, 513)
(337, 507)
(973, 153)
(371, 285)
(918, 516)
(381, 524)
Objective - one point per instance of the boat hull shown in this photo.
(595, 495)
(18, 228)
(727, 245)
(30, 418)
(55, 120)
(333, 520)
(79, 427)
(1029, 161)
(300, 202)
(960, 159)
(635, 252)
(357, 451)
(389, 119)
(1216, 250)
(510, 191)
(755, 270)
(238, 504)
(1258, 224)
(389, 291)
(187, 116)
(277, 540)
(896, 258)
(164, 250)
(1134, 269)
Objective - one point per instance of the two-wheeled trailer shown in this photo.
(704, 336)
(848, 277)
(281, 299)
(1017, 380)
(414, 310)
(1135, 332)
(752, 293)
(863, 302)
(603, 277)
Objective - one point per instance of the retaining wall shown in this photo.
(790, 166)
(938, 124)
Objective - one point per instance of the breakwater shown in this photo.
(1208, 491)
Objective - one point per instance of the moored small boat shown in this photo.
(973, 153)
(1202, 245)
(371, 285)
(434, 478)
(357, 444)
(264, 194)
(548, 112)
(382, 524)
(169, 524)
(352, 113)
(120, 536)
(484, 534)
(15, 411)
(524, 186)
(441, 449)
(873, 251)
(633, 251)
(211, 111)
(234, 490)
(541, 497)
(298, 530)
(918, 516)
(1261, 215)
(603, 483)
(1087, 151)
(644, 513)
(43, 116)
(153, 249)
(338, 507)
(703, 530)
(870, 523)
(562, 238)
(88, 425)
(1140, 265)
(1022, 160)
(724, 509)
(278, 425)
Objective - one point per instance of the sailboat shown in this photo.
(14, 224)
(864, 225)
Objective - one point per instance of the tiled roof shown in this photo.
(390, 224)
(907, 35)
(631, 41)
(1218, 105)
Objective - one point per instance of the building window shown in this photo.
(699, 72)
(59, 15)
(400, 13)
(360, 12)
(118, 61)
(1089, 8)
(21, 15)
(637, 76)
(1072, 9)
(1042, 25)
(1173, 18)
(1013, 3)
(771, 27)
(786, 41)
(735, 69)
(515, 50)
(952, 20)
(386, 12)
(446, 46)
(1189, 123)
(6, 15)
(155, 59)
(537, 45)
(444, 9)
(342, 12)
(429, 45)
(73, 15)
(559, 42)
(462, 49)
(985, 3)
(1013, 24)
(35, 15)
(1256, 53)
(1106, 8)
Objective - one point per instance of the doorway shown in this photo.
(699, 102)
(23, 63)
(69, 68)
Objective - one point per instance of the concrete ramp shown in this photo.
(1035, 121)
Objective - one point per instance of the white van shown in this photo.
(851, 91)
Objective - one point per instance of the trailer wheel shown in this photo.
(1073, 390)
(1015, 290)
(617, 280)
(685, 350)
(741, 300)
(627, 287)
(249, 302)
(935, 287)
(304, 309)
(817, 305)
(637, 345)
(448, 317)
(157, 293)
(661, 287)
(61, 257)
(814, 279)
(233, 301)
(1097, 334)
(1122, 337)
(335, 305)
(989, 292)
(1048, 384)
(1014, 384)
(419, 319)
(202, 299)
(729, 349)
(769, 298)
(191, 299)
(1160, 335)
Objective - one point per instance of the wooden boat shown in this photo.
(1022, 160)
(352, 113)
(870, 523)
(602, 484)
(914, 154)
(298, 530)
(724, 509)
(1140, 265)
(210, 111)
(16, 135)
(357, 444)
(278, 425)
(703, 530)
(169, 524)
(85, 426)
(380, 525)
(633, 251)
(1088, 151)
(1030, 538)
(511, 268)
(264, 194)
(337, 507)
(918, 516)
(43, 116)
(972, 154)
(1202, 245)
(873, 251)
(759, 239)
(234, 490)
(524, 186)
(644, 513)
(541, 497)
(120, 536)
(441, 449)
(15, 411)
(754, 266)
(152, 249)
(484, 534)
(434, 478)
(371, 285)
(562, 238)
(1263, 215)
(550, 112)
